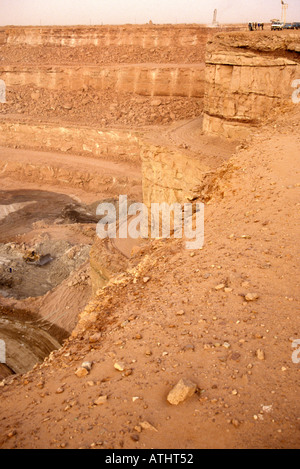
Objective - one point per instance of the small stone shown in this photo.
(235, 356)
(81, 372)
(267, 408)
(251, 297)
(146, 279)
(87, 366)
(120, 366)
(235, 423)
(95, 338)
(101, 400)
(147, 426)
(260, 354)
(12, 433)
(189, 347)
(156, 102)
(180, 313)
(60, 390)
(182, 391)
(220, 287)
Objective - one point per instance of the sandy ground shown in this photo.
(189, 319)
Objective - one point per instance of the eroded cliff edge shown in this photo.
(248, 78)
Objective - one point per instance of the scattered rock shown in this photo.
(95, 338)
(226, 345)
(87, 366)
(182, 391)
(180, 313)
(251, 297)
(60, 390)
(156, 102)
(81, 372)
(101, 400)
(260, 354)
(120, 366)
(235, 356)
(147, 426)
(41, 384)
(235, 423)
(189, 347)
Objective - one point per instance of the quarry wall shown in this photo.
(248, 78)
(146, 36)
(112, 144)
(168, 175)
(146, 80)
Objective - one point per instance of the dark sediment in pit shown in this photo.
(28, 340)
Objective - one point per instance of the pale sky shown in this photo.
(68, 12)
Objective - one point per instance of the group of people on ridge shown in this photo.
(255, 26)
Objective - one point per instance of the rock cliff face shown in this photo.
(110, 144)
(169, 176)
(145, 80)
(248, 77)
(145, 36)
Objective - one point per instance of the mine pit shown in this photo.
(46, 240)
(23, 273)
(42, 255)
(29, 340)
(91, 114)
(162, 114)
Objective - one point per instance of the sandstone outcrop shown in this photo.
(248, 78)
(145, 80)
(169, 175)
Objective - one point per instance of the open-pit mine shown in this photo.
(97, 332)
